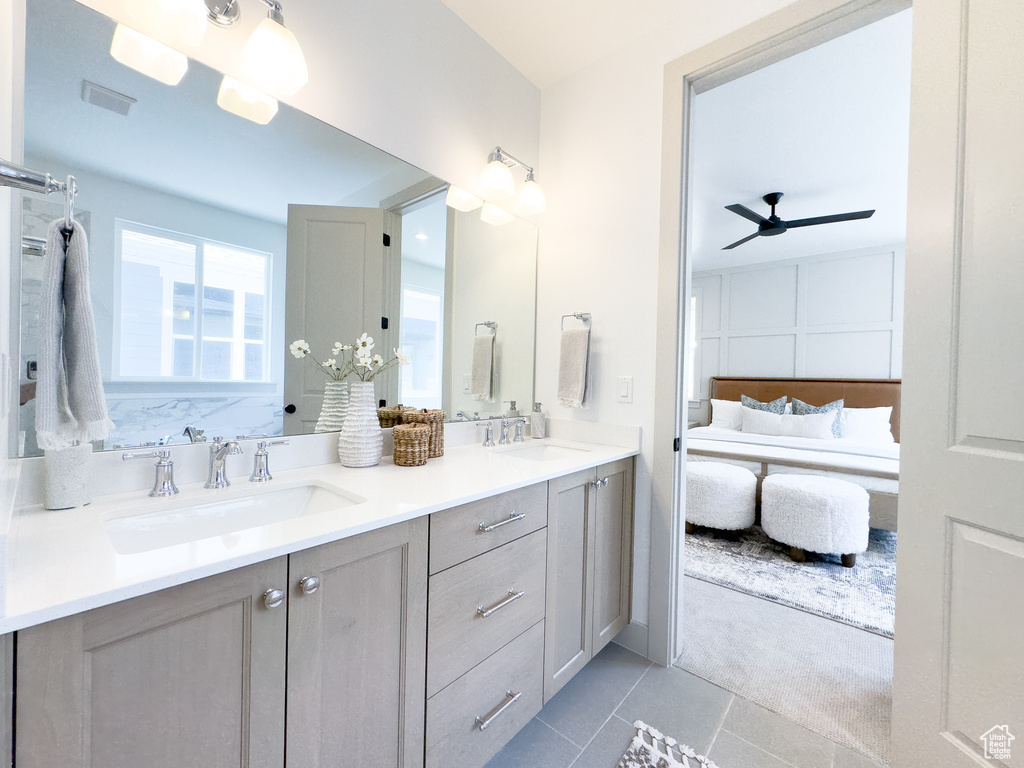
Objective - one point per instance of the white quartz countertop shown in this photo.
(63, 562)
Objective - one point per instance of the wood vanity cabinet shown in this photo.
(195, 675)
(590, 520)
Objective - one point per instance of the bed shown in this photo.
(874, 465)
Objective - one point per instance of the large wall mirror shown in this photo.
(216, 242)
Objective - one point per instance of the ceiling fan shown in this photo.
(773, 225)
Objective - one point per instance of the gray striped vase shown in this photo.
(361, 442)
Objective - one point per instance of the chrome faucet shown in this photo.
(519, 423)
(505, 424)
(219, 451)
(194, 435)
(260, 467)
(467, 417)
(163, 484)
(489, 435)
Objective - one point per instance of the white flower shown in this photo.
(364, 344)
(299, 348)
(339, 348)
(378, 360)
(331, 363)
(402, 359)
(366, 362)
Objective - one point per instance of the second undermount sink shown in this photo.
(202, 515)
(543, 451)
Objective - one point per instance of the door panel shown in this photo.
(189, 676)
(959, 615)
(613, 551)
(335, 284)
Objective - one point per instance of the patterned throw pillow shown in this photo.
(800, 408)
(775, 406)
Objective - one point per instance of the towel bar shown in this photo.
(582, 316)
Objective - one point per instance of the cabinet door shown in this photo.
(613, 547)
(356, 651)
(569, 633)
(189, 676)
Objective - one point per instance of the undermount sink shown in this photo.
(543, 452)
(198, 516)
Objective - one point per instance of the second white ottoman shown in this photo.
(819, 514)
(719, 495)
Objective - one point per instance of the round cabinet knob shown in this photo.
(604, 483)
(289, 408)
(309, 585)
(273, 598)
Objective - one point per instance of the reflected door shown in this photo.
(330, 299)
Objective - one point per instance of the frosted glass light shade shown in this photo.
(496, 181)
(146, 55)
(245, 101)
(273, 59)
(492, 214)
(531, 198)
(461, 200)
(181, 22)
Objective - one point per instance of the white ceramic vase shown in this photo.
(361, 442)
(335, 407)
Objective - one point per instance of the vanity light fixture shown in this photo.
(495, 215)
(181, 22)
(272, 56)
(496, 182)
(245, 101)
(461, 200)
(148, 56)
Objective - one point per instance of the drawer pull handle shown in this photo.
(510, 699)
(512, 597)
(512, 517)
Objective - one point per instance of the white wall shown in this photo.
(829, 316)
(600, 164)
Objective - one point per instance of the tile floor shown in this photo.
(589, 723)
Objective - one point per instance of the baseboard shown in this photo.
(634, 638)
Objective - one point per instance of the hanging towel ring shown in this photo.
(584, 317)
(489, 324)
(70, 191)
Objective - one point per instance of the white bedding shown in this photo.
(836, 446)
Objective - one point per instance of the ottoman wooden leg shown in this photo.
(796, 554)
(690, 527)
(732, 535)
(849, 560)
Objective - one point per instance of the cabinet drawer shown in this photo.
(459, 635)
(456, 534)
(454, 736)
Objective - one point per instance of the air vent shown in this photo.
(106, 98)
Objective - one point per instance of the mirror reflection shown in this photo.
(216, 242)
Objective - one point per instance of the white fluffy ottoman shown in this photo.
(820, 514)
(719, 495)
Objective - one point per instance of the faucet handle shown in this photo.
(163, 455)
(163, 484)
(489, 434)
(260, 466)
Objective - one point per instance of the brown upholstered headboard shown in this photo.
(857, 393)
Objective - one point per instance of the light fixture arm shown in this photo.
(275, 11)
(504, 157)
(224, 13)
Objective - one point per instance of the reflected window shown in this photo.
(190, 308)
(421, 341)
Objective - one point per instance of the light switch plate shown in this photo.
(624, 391)
(467, 382)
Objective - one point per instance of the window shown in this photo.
(421, 341)
(191, 309)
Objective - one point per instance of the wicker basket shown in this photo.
(434, 420)
(391, 415)
(412, 444)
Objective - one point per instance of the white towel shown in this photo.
(70, 407)
(572, 366)
(481, 385)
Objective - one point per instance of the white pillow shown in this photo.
(868, 425)
(815, 425)
(726, 414)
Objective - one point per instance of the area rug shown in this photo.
(863, 596)
(652, 749)
(829, 677)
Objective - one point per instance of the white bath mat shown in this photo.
(652, 749)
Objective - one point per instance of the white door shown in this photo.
(959, 683)
(335, 292)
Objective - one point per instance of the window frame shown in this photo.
(200, 243)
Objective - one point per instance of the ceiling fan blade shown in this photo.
(741, 242)
(829, 219)
(746, 213)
